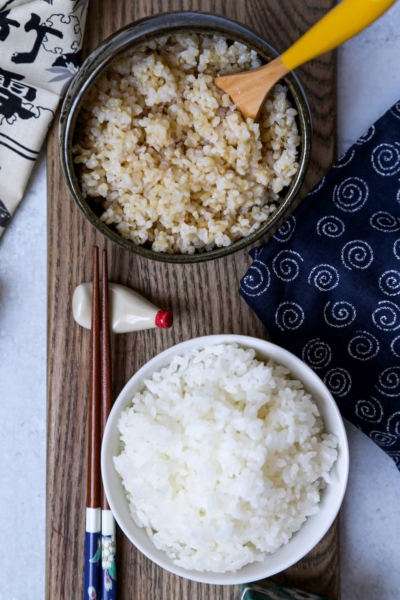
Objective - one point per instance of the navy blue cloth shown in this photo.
(327, 285)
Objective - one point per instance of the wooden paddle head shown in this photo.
(249, 89)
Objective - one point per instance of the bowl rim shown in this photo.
(121, 42)
(120, 404)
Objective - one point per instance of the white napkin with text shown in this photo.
(40, 51)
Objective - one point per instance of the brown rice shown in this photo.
(171, 158)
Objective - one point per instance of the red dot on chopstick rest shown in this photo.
(164, 319)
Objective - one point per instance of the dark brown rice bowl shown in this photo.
(121, 43)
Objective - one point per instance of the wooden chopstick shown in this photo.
(100, 543)
(93, 491)
(106, 377)
(109, 584)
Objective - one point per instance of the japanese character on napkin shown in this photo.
(40, 51)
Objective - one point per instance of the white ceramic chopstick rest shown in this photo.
(129, 311)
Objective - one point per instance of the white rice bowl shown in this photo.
(223, 458)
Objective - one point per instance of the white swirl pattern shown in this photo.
(331, 226)
(387, 316)
(389, 283)
(389, 382)
(286, 265)
(383, 439)
(324, 277)
(395, 346)
(368, 135)
(357, 254)
(339, 314)
(289, 316)
(369, 410)
(318, 188)
(345, 159)
(257, 279)
(317, 354)
(364, 346)
(396, 110)
(286, 230)
(396, 249)
(351, 194)
(384, 221)
(385, 159)
(338, 381)
(393, 423)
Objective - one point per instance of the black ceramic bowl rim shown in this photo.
(122, 42)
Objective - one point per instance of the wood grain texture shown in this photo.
(203, 298)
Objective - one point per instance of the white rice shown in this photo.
(172, 159)
(223, 458)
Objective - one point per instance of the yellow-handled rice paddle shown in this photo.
(248, 90)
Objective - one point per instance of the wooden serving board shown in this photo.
(204, 299)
